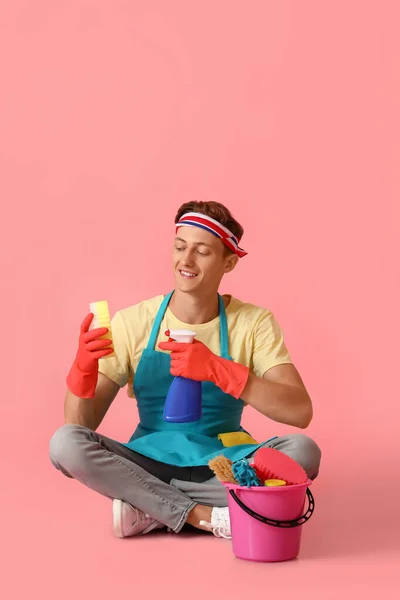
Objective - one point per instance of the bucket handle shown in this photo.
(274, 522)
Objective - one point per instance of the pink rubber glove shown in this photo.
(196, 361)
(82, 378)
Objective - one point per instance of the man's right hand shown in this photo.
(82, 378)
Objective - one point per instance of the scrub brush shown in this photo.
(273, 464)
(101, 319)
(222, 468)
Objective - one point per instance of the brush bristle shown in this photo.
(222, 468)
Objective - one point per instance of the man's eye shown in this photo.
(202, 253)
(179, 249)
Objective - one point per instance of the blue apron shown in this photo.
(183, 444)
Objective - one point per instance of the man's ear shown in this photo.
(231, 262)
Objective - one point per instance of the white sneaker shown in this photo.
(128, 520)
(220, 522)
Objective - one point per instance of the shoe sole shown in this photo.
(117, 518)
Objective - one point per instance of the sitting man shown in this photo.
(160, 477)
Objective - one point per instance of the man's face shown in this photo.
(199, 260)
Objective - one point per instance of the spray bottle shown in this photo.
(183, 403)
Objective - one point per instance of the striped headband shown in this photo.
(193, 219)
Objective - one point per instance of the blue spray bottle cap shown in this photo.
(183, 403)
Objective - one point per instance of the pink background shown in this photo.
(113, 113)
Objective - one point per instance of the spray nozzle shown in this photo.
(184, 336)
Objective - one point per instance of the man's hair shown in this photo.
(216, 211)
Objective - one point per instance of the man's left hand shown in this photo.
(196, 361)
(193, 361)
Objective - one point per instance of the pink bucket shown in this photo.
(266, 522)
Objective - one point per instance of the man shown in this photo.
(161, 478)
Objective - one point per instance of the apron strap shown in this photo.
(223, 326)
(223, 329)
(157, 322)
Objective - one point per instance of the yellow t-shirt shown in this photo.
(255, 338)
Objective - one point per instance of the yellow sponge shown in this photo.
(274, 482)
(101, 319)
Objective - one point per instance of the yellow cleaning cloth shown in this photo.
(236, 438)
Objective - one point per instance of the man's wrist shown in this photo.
(89, 372)
(80, 383)
(229, 376)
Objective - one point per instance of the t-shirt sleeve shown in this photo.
(269, 349)
(118, 367)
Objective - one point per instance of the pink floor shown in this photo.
(58, 543)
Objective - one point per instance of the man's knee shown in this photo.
(308, 454)
(65, 450)
(303, 450)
